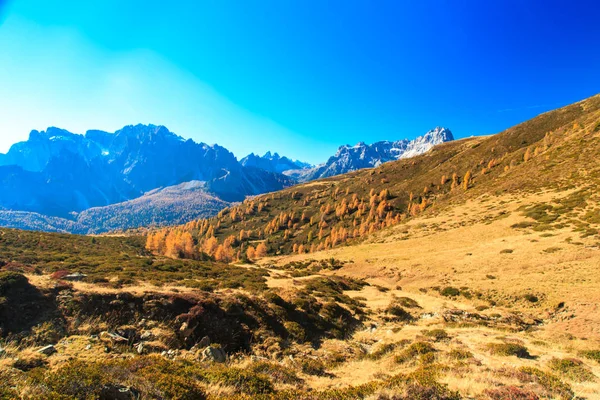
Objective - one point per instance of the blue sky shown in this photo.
(296, 77)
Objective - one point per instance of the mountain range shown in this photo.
(145, 175)
(351, 158)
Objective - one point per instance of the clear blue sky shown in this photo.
(297, 77)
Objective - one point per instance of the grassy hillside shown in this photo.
(549, 151)
(172, 205)
(485, 291)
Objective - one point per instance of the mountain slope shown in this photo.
(486, 288)
(174, 204)
(549, 151)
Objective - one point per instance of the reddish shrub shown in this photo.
(510, 393)
(58, 275)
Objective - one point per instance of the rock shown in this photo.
(147, 336)
(118, 392)
(128, 332)
(204, 342)
(47, 350)
(112, 337)
(186, 330)
(77, 276)
(140, 348)
(88, 347)
(215, 354)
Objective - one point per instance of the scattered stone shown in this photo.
(127, 331)
(118, 392)
(147, 335)
(215, 354)
(47, 350)
(76, 277)
(140, 348)
(170, 354)
(88, 347)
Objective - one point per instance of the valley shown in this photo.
(482, 286)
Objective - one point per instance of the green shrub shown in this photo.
(413, 351)
(397, 313)
(572, 369)
(313, 367)
(244, 381)
(591, 355)
(549, 382)
(450, 291)
(407, 302)
(508, 349)
(460, 354)
(436, 334)
(382, 351)
(177, 387)
(295, 331)
(276, 372)
(531, 298)
(11, 279)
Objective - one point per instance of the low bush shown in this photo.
(436, 334)
(417, 349)
(277, 372)
(591, 355)
(508, 349)
(398, 314)
(459, 354)
(407, 302)
(450, 291)
(510, 393)
(572, 369)
(549, 382)
(313, 367)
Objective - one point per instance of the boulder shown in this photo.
(77, 276)
(204, 342)
(215, 354)
(47, 350)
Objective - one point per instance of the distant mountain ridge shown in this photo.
(351, 158)
(145, 175)
(57, 172)
(273, 162)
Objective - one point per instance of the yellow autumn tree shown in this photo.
(261, 250)
(467, 180)
(251, 253)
